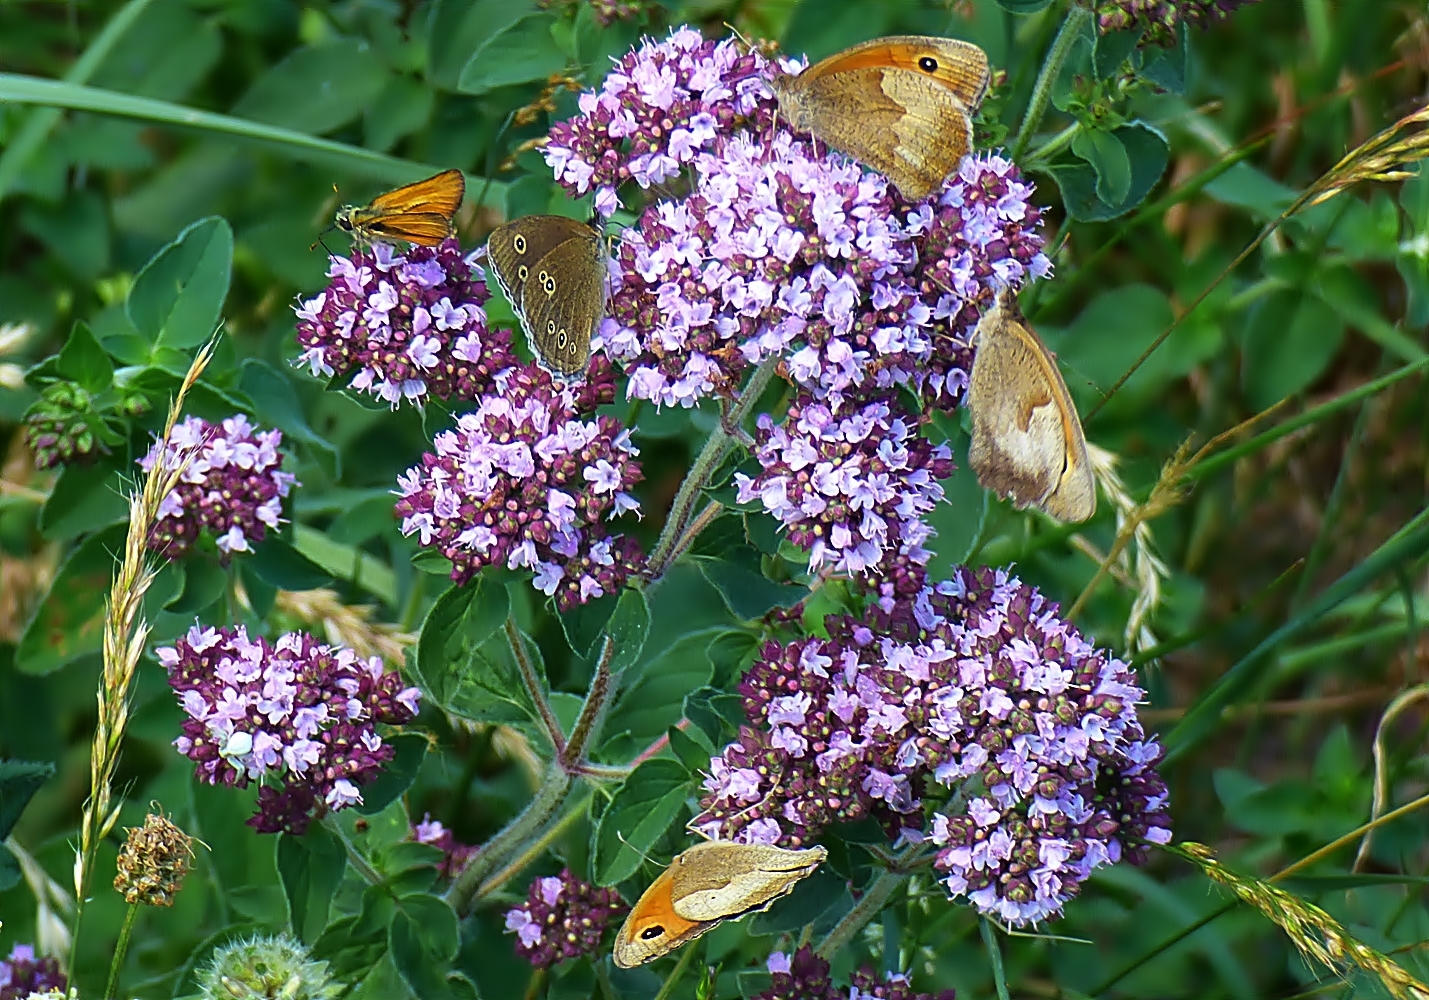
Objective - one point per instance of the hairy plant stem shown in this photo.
(534, 850)
(715, 449)
(1072, 28)
(549, 801)
(527, 669)
(121, 948)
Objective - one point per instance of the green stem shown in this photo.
(534, 687)
(532, 852)
(588, 723)
(120, 950)
(715, 449)
(358, 860)
(40, 122)
(872, 903)
(994, 957)
(1052, 146)
(1078, 17)
(667, 990)
(538, 812)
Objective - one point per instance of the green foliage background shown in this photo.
(1295, 600)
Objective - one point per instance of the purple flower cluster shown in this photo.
(525, 481)
(1159, 18)
(974, 686)
(563, 917)
(24, 973)
(778, 251)
(850, 488)
(232, 486)
(407, 324)
(455, 854)
(658, 106)
(805, 976)
(294, 714)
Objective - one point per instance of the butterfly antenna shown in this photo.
(634, 848)
(319, 241)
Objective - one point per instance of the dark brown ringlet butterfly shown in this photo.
(552, 269)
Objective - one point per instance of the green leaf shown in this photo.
(423, 940)
(458, 29)
(717, 713)
(1024, 6)
(811, 899)
(1167, 68)
(204, 583)
(655, 701)
(276, 402)
(83, 360)
(524, 52)
(1112, 50)
(178, 296)
(19, 781)
(318, 89)
(1108, 157)
(86, 498)
(276, 562)
(1290, 341)
(628, 628)
(69, 623)
(403, 107)
(460, 620)
(746, 593)
(585, 623)
(311, 868)
(396, 775)
(1146, 153)
(76, 231)
(638, 816)
(20, 89)
(692, 747)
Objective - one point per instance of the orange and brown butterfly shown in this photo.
(419, 213)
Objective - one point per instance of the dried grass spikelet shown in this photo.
(125, 633)
(345, 624)
(1316, 934)
(1144, 569)
(12, 338)
(24, 579)
(1382, 157)
(54, 906)
(153, 862)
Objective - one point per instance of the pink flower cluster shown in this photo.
(525, 481)
(1023, 736)
(296, 715)
(408, 325)
(563, 917)
(232, 486)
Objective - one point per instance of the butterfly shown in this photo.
(552, 270)
(419, 213)
(903, 105)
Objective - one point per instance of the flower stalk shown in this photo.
(1075, 25)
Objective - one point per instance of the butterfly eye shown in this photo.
(928, 64)
(650, 933)
(519, 242)
(522, 272)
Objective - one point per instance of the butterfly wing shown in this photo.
(1027, 443)
(902, 104)
(440, 194)
(653, 928)
(563, 300)
(424, 228)
(721, 880)
(515, 248)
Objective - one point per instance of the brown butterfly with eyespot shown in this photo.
(902, 105)
(705, 886)
(552, 270)
(1027, 441)
(420, 213)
